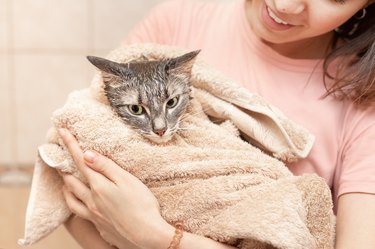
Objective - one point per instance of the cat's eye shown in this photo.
(136, 109)
(172, 102)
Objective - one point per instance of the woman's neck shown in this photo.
(311, 48)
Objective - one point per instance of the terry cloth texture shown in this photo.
(207, 177)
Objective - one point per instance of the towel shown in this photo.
(223, 175)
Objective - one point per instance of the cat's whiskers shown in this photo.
(175, 128)
(140, 131)
(187, 128)
(192, 114)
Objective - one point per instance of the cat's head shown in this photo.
(149, 95)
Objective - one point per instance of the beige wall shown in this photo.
(43, 44)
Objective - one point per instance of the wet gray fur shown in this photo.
(149, 95)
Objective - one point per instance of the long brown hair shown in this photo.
(355, 75)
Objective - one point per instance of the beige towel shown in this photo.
(207, 177)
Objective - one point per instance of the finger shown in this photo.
(81, 201)
(78, 188)
(105, 166)
(75, 205)
(74, 149)
(60, 173)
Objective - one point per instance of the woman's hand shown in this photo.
(104, 228)
(123, 209)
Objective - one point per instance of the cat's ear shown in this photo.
(183, 63)
(110, 67)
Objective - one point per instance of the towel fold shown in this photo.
(207, 177)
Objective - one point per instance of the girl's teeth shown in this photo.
(275, 18)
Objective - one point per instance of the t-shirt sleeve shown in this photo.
(156, 27)
(357, 171)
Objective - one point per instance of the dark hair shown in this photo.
(355, 75)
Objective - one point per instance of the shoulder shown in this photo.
(174, 20)
(193, 4)
(358, 134)
(358, 121)
(357, 156)
(191, 9)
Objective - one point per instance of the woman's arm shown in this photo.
(119, 203)
(165, 234)
(85, 233)
(159, 236)
(355, 221)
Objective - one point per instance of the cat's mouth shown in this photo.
(160, 139)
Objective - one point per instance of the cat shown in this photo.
(149, 95)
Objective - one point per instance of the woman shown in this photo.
(313, 59)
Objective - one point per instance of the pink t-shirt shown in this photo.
(344, 151)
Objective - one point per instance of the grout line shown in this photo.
(11, 82)
(14, 178)
(91, 42)
(23, 167)
(91, 26)
(33, 51)
(52, 51)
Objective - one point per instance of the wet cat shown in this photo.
(149, 95)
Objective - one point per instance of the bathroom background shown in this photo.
(43, 44)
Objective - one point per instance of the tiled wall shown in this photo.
(43, 44)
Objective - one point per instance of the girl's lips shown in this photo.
(271, 23)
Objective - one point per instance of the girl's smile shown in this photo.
(304, 24)
(272, 21)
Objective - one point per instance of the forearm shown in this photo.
(123, 209)
(356, 221)
(163, 235)
(192, 241)
(85, 233)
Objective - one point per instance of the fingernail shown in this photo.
(90, 156)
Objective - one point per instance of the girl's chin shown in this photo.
(269, 37)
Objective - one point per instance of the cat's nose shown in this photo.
(160, 132)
